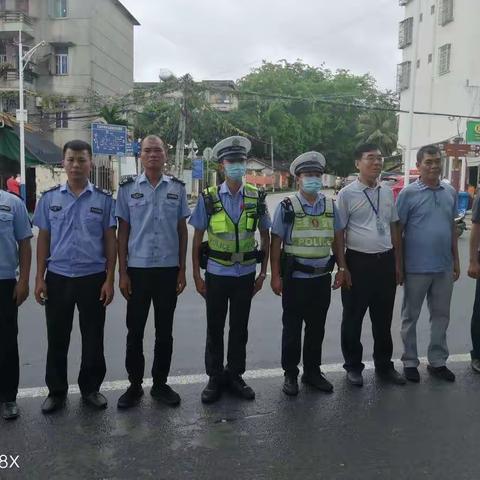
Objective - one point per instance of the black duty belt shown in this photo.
(233, 257)
(371, 255)
(300, 267)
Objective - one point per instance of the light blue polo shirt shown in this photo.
(427, 216)
(14, 227)
(76, 226)
(284, 230)
(153, 214)
(233, 205)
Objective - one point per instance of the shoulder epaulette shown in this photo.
(177, 180)
(51, 189)
(102, 190)
(127, 179)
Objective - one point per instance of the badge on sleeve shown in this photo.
(137, 195)
(5, 208)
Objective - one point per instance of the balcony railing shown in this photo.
(11, 75)
(16, 17)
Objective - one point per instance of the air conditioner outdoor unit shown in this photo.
(39, 102)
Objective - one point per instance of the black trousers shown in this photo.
(304, 300)
(157, 285)
(63, 294)
(475, 324)
(374, 287)
(9, 361)
(222, 290)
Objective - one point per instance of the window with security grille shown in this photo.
(58, 8)
(61, 119)
(445, 14)
(403, 75)
(61, 61)
(405, 33)
(444, 57)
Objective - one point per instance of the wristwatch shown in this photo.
(341, 269)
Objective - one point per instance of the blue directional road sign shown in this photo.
(109, 139)
(197, 169)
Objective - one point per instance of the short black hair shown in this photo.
(77, 146)
(427, 149)
(363, 148)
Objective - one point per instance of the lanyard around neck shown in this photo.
(376, 210)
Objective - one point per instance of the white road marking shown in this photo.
(118, 385)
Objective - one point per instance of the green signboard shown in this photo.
(473, 131)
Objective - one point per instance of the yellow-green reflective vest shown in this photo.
(312, 235)
(226, 236)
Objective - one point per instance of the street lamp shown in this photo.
(23, 60)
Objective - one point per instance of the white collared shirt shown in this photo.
(360, 220)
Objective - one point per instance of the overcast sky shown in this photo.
(225, 39)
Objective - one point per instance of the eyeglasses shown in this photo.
(372, 158)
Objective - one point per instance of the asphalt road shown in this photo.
(427, 430)
(264, 332)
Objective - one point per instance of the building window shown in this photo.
(432, 9)
(418, 63)
(61, 61)
(444, 53)
(2, 5)
(61, 119)
(446, 12)
(420, 18)
(58, 8)
(405, 34)
(21, 6)
(403, 75)
(430, 57)
(3, 58)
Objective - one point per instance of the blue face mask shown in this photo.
(235, 171)
(312, 184)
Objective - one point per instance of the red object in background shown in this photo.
(396, 183)
(13, 186)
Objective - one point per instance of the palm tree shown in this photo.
(379, 127)
(112, 115)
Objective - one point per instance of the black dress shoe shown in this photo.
(391, 376)
(355, 378)
(318, 381)
(10, 410)
(213, 391)
(131, 398)
(239, 388)
(95, 400)
(443, 373)
(165, 394)
(411, 374)
(53, 403)
(290, 385)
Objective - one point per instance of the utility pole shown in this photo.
(180, 150)
(413, 63)
(21, 112)
(273, 166)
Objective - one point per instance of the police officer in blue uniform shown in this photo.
(76, 257)
(302, 241)
(152, 245)
(15, 250)
(225, 213)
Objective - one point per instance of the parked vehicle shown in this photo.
(460, 223)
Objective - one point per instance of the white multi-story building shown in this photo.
(89, 51)
(440, 69)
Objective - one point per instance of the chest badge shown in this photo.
(55, 208)
(96, 210)
(5, 208)
(137, 195)
(172, 196)
(315, 223)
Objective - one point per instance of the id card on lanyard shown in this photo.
(376, 210)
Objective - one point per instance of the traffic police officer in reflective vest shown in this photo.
(76, 248)
(15, 250)
(302, 242)
(152, 246)
(230, 213)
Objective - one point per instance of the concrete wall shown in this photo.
(48, 177)
(456, 92)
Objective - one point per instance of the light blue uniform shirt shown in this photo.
(76, 226)
(14, 226)
(153, 214)
(427, 216)
(284, 230)
(233, 205)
